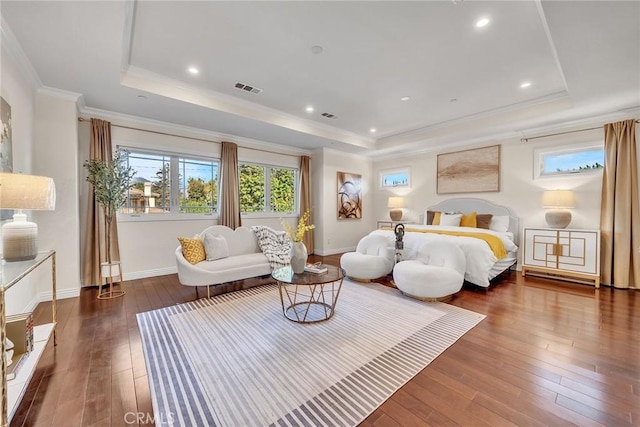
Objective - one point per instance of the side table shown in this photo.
(308, 297)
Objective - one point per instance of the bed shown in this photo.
(484, 259)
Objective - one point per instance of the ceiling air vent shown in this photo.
(329, 116)
(248, 88)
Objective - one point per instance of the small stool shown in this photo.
(374, 257)
(435, 275)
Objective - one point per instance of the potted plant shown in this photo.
(111, 183)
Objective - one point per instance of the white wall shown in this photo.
(19, 94)
(56, 155)
(332, 235)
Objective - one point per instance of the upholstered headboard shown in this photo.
(471, 204)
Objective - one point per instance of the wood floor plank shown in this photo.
(548, 353)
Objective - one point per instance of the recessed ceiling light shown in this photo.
(482, 22)
(142, 97)
(193, 70)
(316, 50)
(405, 98)
(372, 130)
(453, 100)
(309, 109)
(525, 84)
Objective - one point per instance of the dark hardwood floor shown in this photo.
(548, 353)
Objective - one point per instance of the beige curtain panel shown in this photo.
(94, 248)
(305, 199)
(620, 217)
(230, 186)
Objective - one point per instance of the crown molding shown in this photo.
(14, 49)
(60, 94)
(185, 131)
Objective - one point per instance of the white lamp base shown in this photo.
(19, 239)
(395, 214)
(558, 218)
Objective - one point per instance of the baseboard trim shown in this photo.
(135, 275)
(334, 251)
(64, 294)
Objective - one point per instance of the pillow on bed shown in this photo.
(483, 221)
(450, 219)
(428, 217)
(468, 220)
(499, 223)
(436, 218)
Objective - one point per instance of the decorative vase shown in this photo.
(298, 257)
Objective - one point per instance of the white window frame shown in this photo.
(268, 213)
(540, 153)
(403, 170)
(174, 214)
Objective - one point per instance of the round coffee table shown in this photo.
(308, 297)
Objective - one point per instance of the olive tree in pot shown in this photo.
(111, 181)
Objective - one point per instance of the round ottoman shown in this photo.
(435, 275)
(374, 257)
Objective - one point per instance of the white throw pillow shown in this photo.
(215, 247)
(499, 223)
(450, 219)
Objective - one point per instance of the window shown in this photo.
(395, 178)
(171, 183)
(262, 183)
(583, 158)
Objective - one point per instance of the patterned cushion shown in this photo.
(192, 249)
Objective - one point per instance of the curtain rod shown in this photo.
(83, 119)
(562, 133)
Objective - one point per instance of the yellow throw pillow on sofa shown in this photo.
(192, 249)
(469, 220)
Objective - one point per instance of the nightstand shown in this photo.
(565, 254)
(389, 223)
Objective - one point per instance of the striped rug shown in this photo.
(235, 360)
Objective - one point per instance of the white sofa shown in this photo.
(245, 260)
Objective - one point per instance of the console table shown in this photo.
(11, 273)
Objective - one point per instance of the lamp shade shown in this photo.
(30, 192)
(395, 202)
(558, 199)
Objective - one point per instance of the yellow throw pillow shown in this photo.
(436, 218)
(469, 220)
(192, 249)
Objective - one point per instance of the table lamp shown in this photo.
(28, 192)
(557, 201)
(395, 203)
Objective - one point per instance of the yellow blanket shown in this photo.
(494, 242)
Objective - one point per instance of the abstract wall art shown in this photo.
(349, 195)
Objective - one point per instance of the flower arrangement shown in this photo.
(298, 234)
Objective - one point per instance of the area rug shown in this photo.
(235, 360)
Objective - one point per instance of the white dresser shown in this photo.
(570, 254)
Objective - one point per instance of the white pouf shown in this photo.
(374, 257)
(435, 275)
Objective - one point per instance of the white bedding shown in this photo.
(480, 258)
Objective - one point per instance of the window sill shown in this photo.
(166, 217)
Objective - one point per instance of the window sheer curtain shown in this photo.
(94, 248)
(305, 199)
(620, 217)
(230, 187)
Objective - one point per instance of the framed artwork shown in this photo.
(392, 178)
(349, 195)
(6, 149)
(469, 171)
